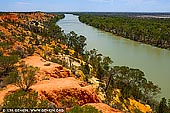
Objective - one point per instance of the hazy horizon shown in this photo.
(152, 6)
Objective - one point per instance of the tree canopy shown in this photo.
(151, 31)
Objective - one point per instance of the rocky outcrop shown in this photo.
(65, 89)
(60, 89)
(52, 70)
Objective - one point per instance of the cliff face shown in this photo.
(48, 69)
(55, 83)
(64, 91)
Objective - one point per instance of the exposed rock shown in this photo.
(47, 64)
(64, 89)
(8, 89)
(53, 70)
(104, 108)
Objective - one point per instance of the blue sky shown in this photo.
(86, 5)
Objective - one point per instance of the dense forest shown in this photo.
(153, 31)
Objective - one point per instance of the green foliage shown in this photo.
(75, 42)
(85, 68)
(132, 83)
(11, 78)
(84, 109)
(7, 63)
(1, 53)
(19, 52)
(163, 107)
(30, 50)
(22, 99)
(26, 77)
(56, 50)
(5, 45)
(69, 102)
(2, 35)
(52, 30)
(100, 63)
(66, 52)
(147, 30)
(109, 95)
(106, 63)
(56, 60)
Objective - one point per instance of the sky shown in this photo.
(86, 5)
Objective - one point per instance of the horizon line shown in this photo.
(91, 11)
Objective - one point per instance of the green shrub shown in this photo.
(19, 52)
(85, 68)
(56, 50)
(56, 60)
(69, 102)
(7, 63)
(26, 77)
(22, 99)
(12, 78)
(1, 53)
(2, 35)
(84, 109)
(30, 50)
(5, 45)
(163, 106)
(66, 52)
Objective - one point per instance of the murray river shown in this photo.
(154, 62)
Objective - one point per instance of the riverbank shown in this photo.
(152, 31)
(153, 61)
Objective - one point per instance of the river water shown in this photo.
(154, 62)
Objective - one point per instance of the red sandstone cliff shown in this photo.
(60, 88)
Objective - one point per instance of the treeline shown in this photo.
(151, 31)
(131, 82)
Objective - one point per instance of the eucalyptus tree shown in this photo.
(147, 30)
(132, 83)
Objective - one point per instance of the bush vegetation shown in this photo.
(84, 109)
(151, 31)
(22, 99)
(7, 64)
(26, 77)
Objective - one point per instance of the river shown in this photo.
(154, 62)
